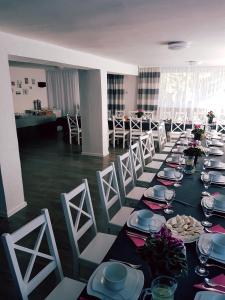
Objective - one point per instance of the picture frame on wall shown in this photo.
(25, 91)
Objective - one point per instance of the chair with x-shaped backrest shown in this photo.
(119, 113)
(133, 113)
(80, 221)
(135, 129)
(140, 177)
(155, 156)
(74, 129)
(131, 193)
(163, 140)
(147, 154)
(116, 215)
(67, 288)
(119, 131)
(220, 124)
(177, 128)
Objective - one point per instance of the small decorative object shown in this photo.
(26, 80)
(210, 115)
(198, 132)
(165, 254)
(140, 113)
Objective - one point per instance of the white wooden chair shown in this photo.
(140, 177)
(155, 156)
(146, 154)
(176, 129)
(110, 199)
(119, 131)
(131, 193)
(148, 114)
(74, 129)
(80, 221)
(135, 129)
(220, 124)
(163, 140)
(66, 289)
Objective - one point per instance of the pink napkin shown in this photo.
(217, 229)
(215, 193)
(166, 182)
(172, 165)
(154, 206)
(220, 279)
(138, 242)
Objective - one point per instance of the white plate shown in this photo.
(169, 160)
(175, 150)
(133, 223)
(221, 166)
(217, 143)
(217, 256)
(149, 193)
(132, 287)
(161, 175)
(205, 295)
(185, 143)
(216, 151)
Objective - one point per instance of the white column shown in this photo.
(94, 116)
(11, 185)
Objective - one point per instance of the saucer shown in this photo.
(149, 193)
(161, 175)
(215, 151)
(133, 223)
(132, 287)
(169, 160)
(175, 150)
(221, 166)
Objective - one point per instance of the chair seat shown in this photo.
(160, 156)
(154, 165)
(121, 216)
(98, 247)
(170, 144)
(146, 177)
(175, 134)
(136, 193)
(67, 289)
(166, 149)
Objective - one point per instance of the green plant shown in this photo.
(165, 253)
(193, 151)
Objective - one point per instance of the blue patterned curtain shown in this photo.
(148, 88)
(115, 92)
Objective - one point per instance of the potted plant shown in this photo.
(210, 115)
(140, 113)
(198, 132)
(165, 254)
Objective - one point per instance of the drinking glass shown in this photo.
(204, 248)
(180, 159)
(207, 206)
(207, 156)
(206, 181)
(177, 175)
(169, 196)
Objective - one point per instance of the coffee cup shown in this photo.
(114, 276)
(144, 216)
(159, 191)
(169, 172)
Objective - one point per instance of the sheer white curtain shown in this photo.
(191, 90)
(63, 90)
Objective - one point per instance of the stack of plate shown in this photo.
(215, 151)
(161, 174)
(174, 160)
(205, 295)
(216, 142)
(151, 193)
(130, 290)
(215, 164)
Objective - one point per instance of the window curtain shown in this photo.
(148, 88)
(115, 92)
(63, 90)
(191, 90)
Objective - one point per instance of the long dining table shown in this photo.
(189, 192)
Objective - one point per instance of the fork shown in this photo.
(126, 263)
(142, 237)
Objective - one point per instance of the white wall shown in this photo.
(22, 101)
(130, 96)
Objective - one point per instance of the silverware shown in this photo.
(126, 263)
(209, 282)
(215, 265)
(133, 234)
(184, 203)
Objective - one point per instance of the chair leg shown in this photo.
(78, 138)
(70, 138)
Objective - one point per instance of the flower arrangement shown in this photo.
(165, 253)
(210, 114)
(198, 132)
(140, 113)
(193, 151)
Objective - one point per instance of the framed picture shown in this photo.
(26, 80)
(25, 91)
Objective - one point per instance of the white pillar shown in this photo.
(11, 185)
(94, 115)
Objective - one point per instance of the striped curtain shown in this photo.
(115, 92)
(148, 88)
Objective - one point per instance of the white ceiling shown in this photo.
(131, 31)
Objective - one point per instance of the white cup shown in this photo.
(214, 162)
(114, 276)
(169, 172)
(159, 191)
(144, 217)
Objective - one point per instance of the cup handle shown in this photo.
(146, 292)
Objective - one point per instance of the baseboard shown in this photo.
(94, 154)
(13, 211)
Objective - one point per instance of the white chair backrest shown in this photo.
(136, 160)
(120, 113)
(151, 142)
(118, 124)
(125, 170)
(108, 188)
(72, 122)
(180, 117)
(25, 283)
(177, 126)
(76, 206)
(220, 124)
(148, 114)
(145, 148)
(133, 113)
(161, 138)
(136, 124)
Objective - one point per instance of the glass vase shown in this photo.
(189, 165)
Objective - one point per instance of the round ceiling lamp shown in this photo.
(177, 45)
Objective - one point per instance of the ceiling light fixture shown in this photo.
(177, 45)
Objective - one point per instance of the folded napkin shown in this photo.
(172, 165)
(82, 298)
(138, 242)
(166, 182)
(217, 229)
(220, 279)
(154, 206)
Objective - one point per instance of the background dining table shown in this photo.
(190, 192)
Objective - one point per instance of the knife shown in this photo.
(184, 203)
